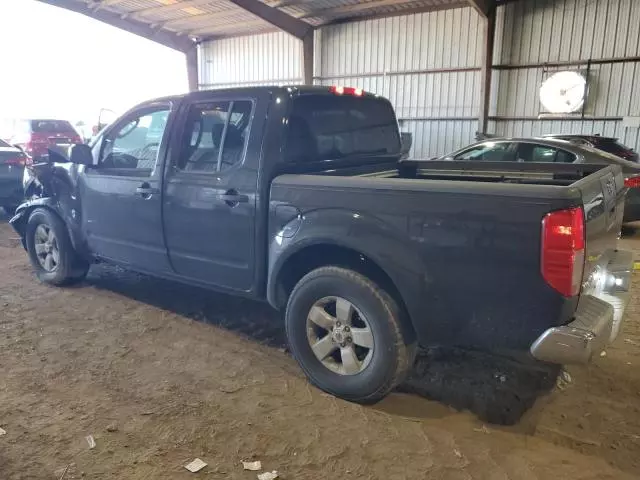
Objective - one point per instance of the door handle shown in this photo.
(233, 198)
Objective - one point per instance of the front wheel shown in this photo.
(345, 332)
(50, 250)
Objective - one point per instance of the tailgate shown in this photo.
(603, 197)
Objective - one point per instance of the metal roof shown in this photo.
(197, 20)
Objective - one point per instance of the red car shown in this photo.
(36, 136)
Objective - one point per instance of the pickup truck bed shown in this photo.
(298, 196)
(465, 252)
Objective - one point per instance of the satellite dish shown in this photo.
(563, 92)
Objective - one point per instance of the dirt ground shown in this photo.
(160, 373)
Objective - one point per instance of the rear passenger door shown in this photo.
(538, 153)
(210, 192)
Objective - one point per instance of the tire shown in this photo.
(378, 369)
(65, 266)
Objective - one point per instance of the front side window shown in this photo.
(215, 136)
(135, 144)
(487, 152)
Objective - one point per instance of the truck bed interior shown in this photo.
(493, 172)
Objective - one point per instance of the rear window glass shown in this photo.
(610, 145)
(51, 126)
(324, 127)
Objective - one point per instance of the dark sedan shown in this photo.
(551, 150)
(12, 163)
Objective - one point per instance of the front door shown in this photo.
(121, 195)
(209, 199)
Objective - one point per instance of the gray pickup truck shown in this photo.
(297, 196)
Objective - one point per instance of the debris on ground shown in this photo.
(563, 380)
(268, 475)
(2, 432)
(603, 353)
(112, 428)
(91, 441)
(195, 466)
(253, 466)
(64, 472)
(482, 429)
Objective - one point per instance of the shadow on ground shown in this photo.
(496, 390)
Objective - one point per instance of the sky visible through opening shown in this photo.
(59, 64)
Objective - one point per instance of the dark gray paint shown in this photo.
(463, 254)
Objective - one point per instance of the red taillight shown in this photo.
(632, 182)
(562, 252)
(356, 92)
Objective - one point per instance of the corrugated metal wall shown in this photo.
(427, 64)
(544, 31)
(267, 59)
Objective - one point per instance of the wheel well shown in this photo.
(316, 256)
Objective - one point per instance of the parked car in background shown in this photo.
(36, 136)
(606, 144)
(12, 165)
(296, 196)
(553, 150)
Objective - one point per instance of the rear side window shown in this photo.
(215, 136)
(324, 127)
(51, 126)
(4, 144)
(531, 152)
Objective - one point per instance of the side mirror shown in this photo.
(81, 154)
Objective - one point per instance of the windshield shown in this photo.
(51, 126)
(323, 127)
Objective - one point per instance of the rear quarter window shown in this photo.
(325, 127)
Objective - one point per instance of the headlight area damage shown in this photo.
(52, 186)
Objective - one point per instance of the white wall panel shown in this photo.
(412, 60)
(542, 31)
(267, 59)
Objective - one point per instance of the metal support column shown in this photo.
(489, 28)
(191, 56)
(307, 58)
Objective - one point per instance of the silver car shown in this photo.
(550, 150)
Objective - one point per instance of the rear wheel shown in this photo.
(345, 333)
(50, 250)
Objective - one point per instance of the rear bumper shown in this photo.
(597, 319)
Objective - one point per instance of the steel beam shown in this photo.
(192, 68)
(346, 9)
(166, 38)
(307, 58)
(489, 29)
(208, 31)
(275, 17)
(483, 7)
